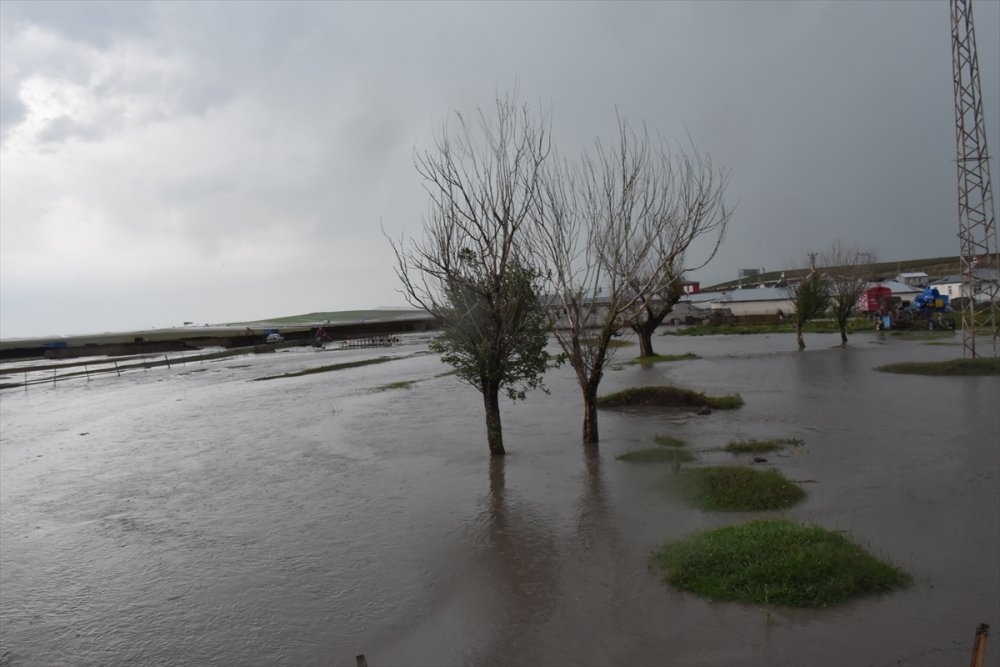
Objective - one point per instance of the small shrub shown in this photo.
(656, 455)
(739, 489)
(775, 562)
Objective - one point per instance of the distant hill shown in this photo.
(935, 267)
(334, 316)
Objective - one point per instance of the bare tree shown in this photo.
(472, 271)
(597, 227)
(847, 270)
(812, 299)
(697, 209)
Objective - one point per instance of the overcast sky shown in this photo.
(216, 162)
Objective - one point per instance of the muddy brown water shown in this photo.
(187, 516)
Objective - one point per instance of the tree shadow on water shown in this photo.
(521, 565)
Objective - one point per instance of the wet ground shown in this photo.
(189, 516)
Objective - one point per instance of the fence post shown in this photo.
(979, 646)
(118, 369)
(53, 378)
(25, 381)
(87, 371)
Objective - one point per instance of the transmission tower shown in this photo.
(976, 222)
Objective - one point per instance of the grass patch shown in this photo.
(658, 358)
(753, 446)
(656, 455)
(667, 397)
(668, 441)
(739, 489)
(327, 369)
(775, 562)
(977, 366)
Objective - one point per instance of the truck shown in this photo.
(928, 310)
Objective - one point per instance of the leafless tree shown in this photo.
(847, 269)
(597, 227)
(472, 270)
(697, 209)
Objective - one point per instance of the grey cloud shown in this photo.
(65, 128)
(12, 111)
(836, 118)
(96, 23)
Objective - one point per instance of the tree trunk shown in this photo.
(494, 433)
(645, 329)
(590, 414)
(645, 342)
(843, 332)
(798, 336)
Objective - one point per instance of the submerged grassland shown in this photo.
(661, 358)
(657, 455)
(668, 397)
(327, 369)
(738, 489)
(755, 446)
(977, 366)
(668, 441)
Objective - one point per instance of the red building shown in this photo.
(873, 298)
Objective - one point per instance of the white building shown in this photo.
(913, 279)
(752, 302)
(952, 286)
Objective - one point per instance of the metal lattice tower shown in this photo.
(977, 224)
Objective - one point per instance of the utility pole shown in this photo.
(976, 220)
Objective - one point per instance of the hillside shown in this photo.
(334, 316)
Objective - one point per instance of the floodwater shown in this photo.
(188, 516)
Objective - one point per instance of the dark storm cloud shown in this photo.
(234, 144)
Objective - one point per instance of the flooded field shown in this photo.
(190, 516)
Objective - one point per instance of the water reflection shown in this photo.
(592, 524)
(521, 562)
